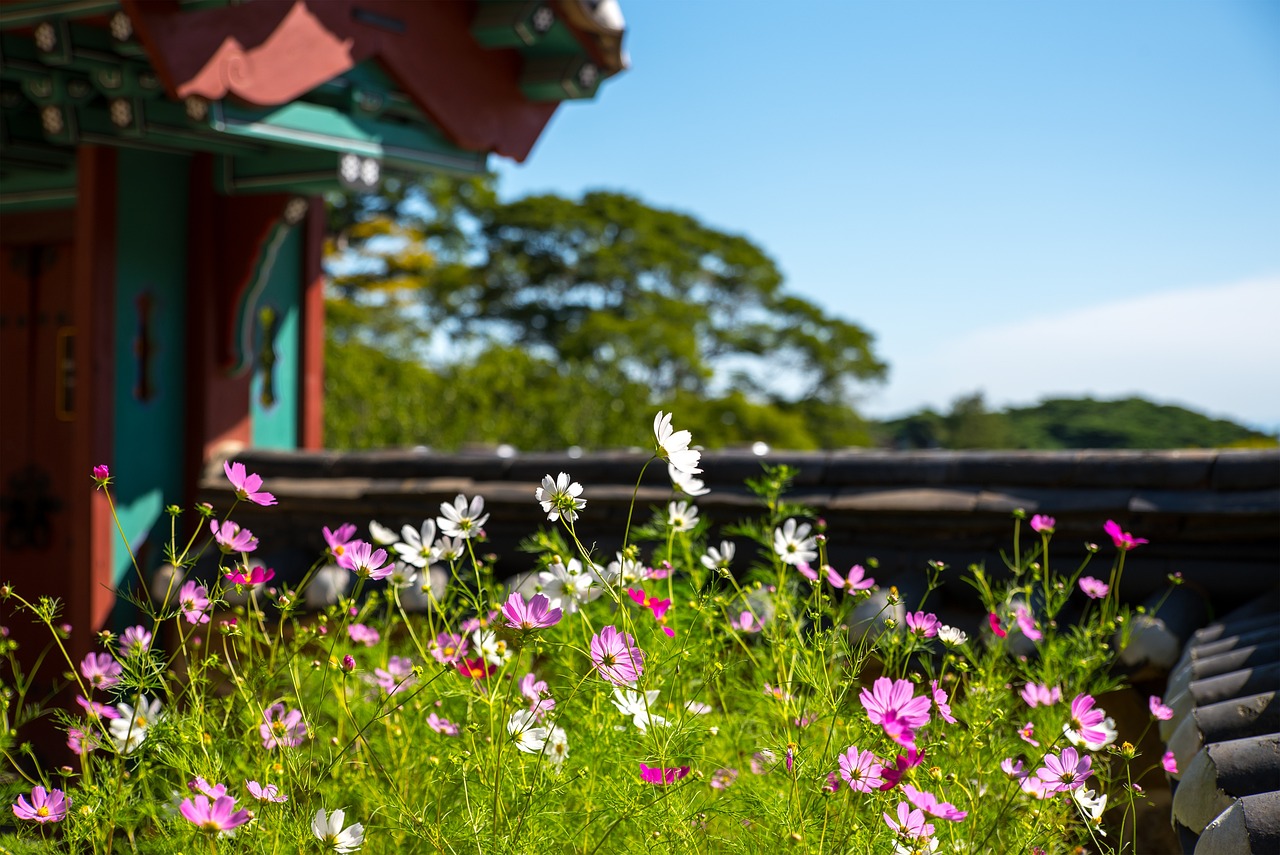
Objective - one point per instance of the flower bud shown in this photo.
(348, 663)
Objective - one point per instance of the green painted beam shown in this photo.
(27, 14)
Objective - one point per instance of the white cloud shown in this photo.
(1213, 349)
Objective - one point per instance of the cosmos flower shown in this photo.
(660, 775)
(535, 614)
(559, 498)
(673, 445)
(281, 729)
(329, 831)
(792, 543)
(892, 705)
(860, 769)
(266, 792)
(1122, 539)
(856, 580)
(101, 670)
(461, 519)
(1043, 524)
(1036, 695)
(1158, 709)
(616, 657)
(1065, 771)
(232, 538)
(44, 805)
(929, 803)
(1094, 589)
(248, 487)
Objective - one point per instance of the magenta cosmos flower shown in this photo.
(1086, 722)
(255, 576)
(940, 701)
(282, 729)
(929, 803)
(923, 624)
(890, 704)
(101, 670)
(661, 775)
(860, 770)
(396, 676)
(993, 620)
(535, 614)
(193, 599)
(1066, 771)
(366, 562)
(135, 641)
(1170, 763)
(1122, 539)
(45, 806)
(102, 474)
(1158, 709)
(336, 541)
(857, 580)
(232, 538)
(1094, 589)
(616, 657)
(891, 775)
(909, 823)
(216, 816)
(1027, 624)
(1036, 695)
(448, 648)
(361, 634)
(248, 487)
(1042, 524)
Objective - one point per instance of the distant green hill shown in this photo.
(1067, 423)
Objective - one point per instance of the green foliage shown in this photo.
(602, 307)
(1068, 423)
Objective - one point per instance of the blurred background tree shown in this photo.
(454, 317)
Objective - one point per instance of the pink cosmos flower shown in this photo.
(136, 640)
(722, 779)
(348, 663)
(476, 669)
(442, 725)
(1027, 732)
(398, 675)
(891, 775)
(1158, 709)
(657, 606)
(479, 622)
(81, 742)
(44, 806)
(832, 784)
(746, 622)
(536, 614)
(929, 803)
(856, 580)
(282, 729)
(909, 823)
(994, 621)
(336, 541)
(256, 576)
(193, 599)
(93, 709)
(1036, 695)
(201, 787)
(1086, 722)
(1122, 539)
(1170, 763)
(808, 572)
(220, 815)
(763, 761)
(540, 700)
(362, 559)
(616, 657)
(1066, 771)
(1094, 589)
(1036, 788)
(232, 538)
(248, 487)
(361, 634)
(1013, 770)
(102, 474)
(940, 701)
(1042, 524)
(101, 670)
(266, 792)
(923, 624)
(1027, 624)
(891, 704)
(661, 775)
(860, 769)
(448, 648)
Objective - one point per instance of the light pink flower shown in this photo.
(1027, 732)
(1158, 708)
(1013, 770)
(1036, 695)
(616, 657)
(1066, 771)
(81, 742)
(891, 704)
(1094, 589)
(201, 787)
(449, 647)
(1170, 763)
(746, 622)
(45, 806)
(136, 640)
(763, 761)
(1027, 624)
(1122, 539)
(808, 572)
(909, 823)
(856, 580)
(661, 775)
(101, 670)
(361, 634)
(860, 769)
(940, 701)
(1043, 524)
(362, 559)
(248, 487)
(193, 599)
(722, 779)
(336, 541)
(535, 614)
(232, 538)
(923, 624)
(442, 725)
(93, 709)
(266, 792)
(220, 815)
(1086, 722)
(540, 700)
(282, 729)
(398, 675)
(929, 803)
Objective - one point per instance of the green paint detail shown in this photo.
(36, 190)
(559, 78)
(276, 382)
(151, 259)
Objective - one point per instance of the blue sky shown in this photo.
(1027, 199)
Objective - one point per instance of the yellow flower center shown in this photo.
(43, 810)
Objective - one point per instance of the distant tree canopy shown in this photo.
(547, 321)
(1066, 423)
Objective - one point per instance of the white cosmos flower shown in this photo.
(493, 649)
(130, 729)
(673, 445)
(952, 636)
(402, 575)
(716, 559)
(628, 569)
(793, 544)
(450, 549)
(1091, 806)
(559, 498)
(460, 519)
(380, 534)
(567, 586)
(557, 747)
(682, 516)
(639, 707)
(687, 484)
(329, 831)
(526, 733)
(416, 546)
